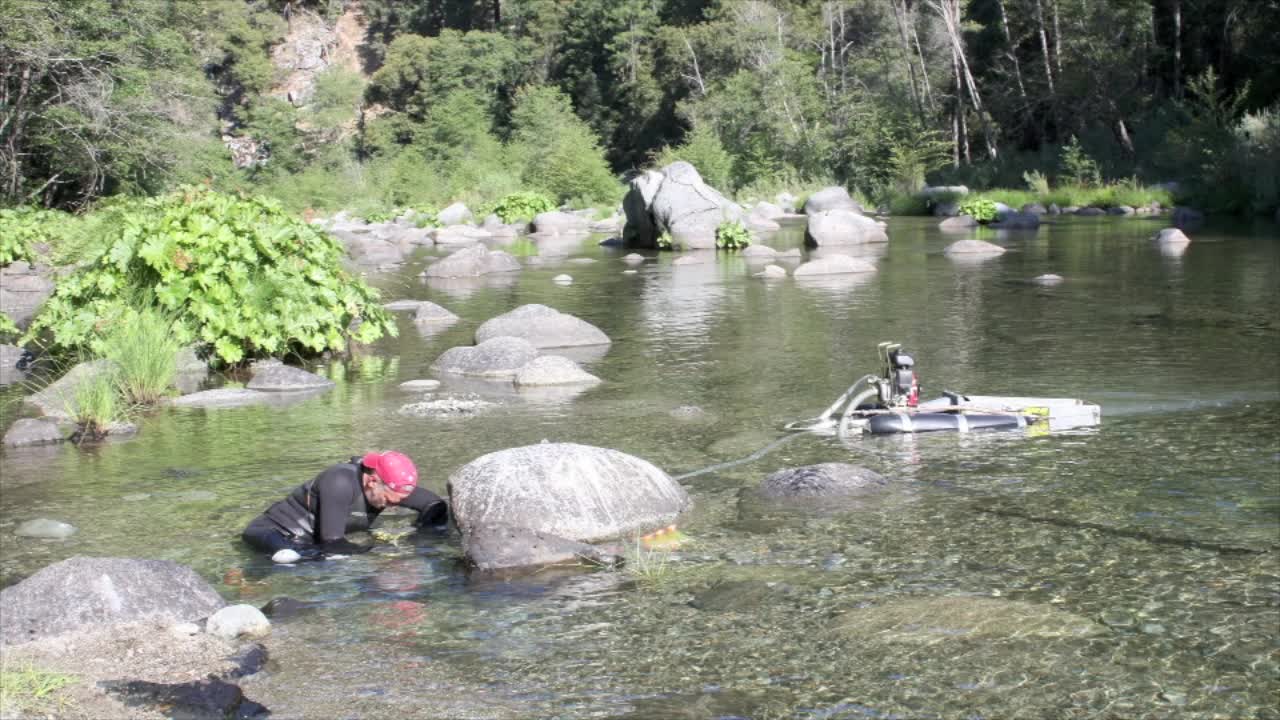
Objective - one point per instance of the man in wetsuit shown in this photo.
(313, 520)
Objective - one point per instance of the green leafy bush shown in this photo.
(23, 227)
(980, 209)
(522, 206)
(664, 241)
(425, 217)
(239, 274)
(380, 216)
(8, 328)
(732, 235)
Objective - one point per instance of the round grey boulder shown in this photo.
(834, 265)
(553, 370)
(1172, 237)
(823, 480)
(473, 261)
(958, 223)
(577, 492)
(973, 247)
(33, 431)
(633, 258)
(842, 227)
(543, 327)
(236, 621)
(772, 272)
(758, 252)
(429, 313)
(498, 358)
(83, 591)
(505, 547)
(830, 198)
(420, 385)
(455, 214)
(285, 378)
(560, 223)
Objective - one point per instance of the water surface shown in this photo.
(1120, 571)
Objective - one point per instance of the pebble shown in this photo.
(1153, 629)
(286, 557)
(45, 528)
(234, 621)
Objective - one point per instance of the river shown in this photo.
(1127, 570)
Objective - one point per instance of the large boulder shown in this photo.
(496, 358)
(577, 492)
(958, 223)
(455, 214)
(544, 327)
(831, 198)
(10, 357)
(473, 261)
(454, 235)
(504, 547)
(822, 480)
(560, 223)
(285, 378)
(429, 313)
(83, 591)
(842, 227)
(681, 204)
(1172, 237)
(1017, 221)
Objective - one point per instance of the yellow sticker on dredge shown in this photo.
(1037, 419)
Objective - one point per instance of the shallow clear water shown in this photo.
(1126, 570)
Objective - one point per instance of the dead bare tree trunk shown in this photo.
(1012, 53)
(899, 14)
(1177, 49)
(949, 10)
(924, 67)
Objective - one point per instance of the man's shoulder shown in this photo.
(341, 475)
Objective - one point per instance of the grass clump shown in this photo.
(648, 568)
(143, 345)
(28, 692)
(97, 404)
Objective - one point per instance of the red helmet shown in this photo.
(394, 469)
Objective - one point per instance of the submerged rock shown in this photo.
(1048, 280)
(822, 480)
(473, 261)
(420, 385)
(221, 398)
(45, 529)
(834, 265)
(446, 407)
(930, 620)
(577, 492)
(1172, 237)
(33, 431)
(500, 546)
(429, 313)
(772, 272)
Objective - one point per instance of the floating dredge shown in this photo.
(889, 403)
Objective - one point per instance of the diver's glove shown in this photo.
(343, 547)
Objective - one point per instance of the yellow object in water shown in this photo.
(668, 538)
(384, 536)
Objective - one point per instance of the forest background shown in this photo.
(472, 100)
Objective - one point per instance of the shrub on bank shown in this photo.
(238, 274)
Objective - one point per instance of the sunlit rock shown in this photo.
(420, 385)
(842, 227)
(772, 272)
(82, 591)
(236, 621)
(497, 357)
(831, 198)
(455, 214)
(553, 370)
(473, 261)
(973, 247)
(58, 400)
(500, 546)
(285, 378)
(1048, 280)
(833, 265)
(429, 313)
(560, 223)
(577, 492)
(33, 431)
(543, 327)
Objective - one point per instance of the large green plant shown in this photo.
(732, 235)
(239, 274)
(522, 206)
(980, 209)
(22, 228)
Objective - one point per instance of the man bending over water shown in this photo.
(314, 519)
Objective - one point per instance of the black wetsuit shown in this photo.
(320, 512)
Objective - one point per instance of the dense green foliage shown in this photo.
(463, 100)
(522, 206)
(732, 235)
(978, 208)
(240, 275)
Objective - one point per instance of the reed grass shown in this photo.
(144, 346)
(28, 692)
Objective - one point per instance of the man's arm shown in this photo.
(332, 503)
(432, 509)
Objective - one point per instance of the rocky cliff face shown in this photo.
(312, 45)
